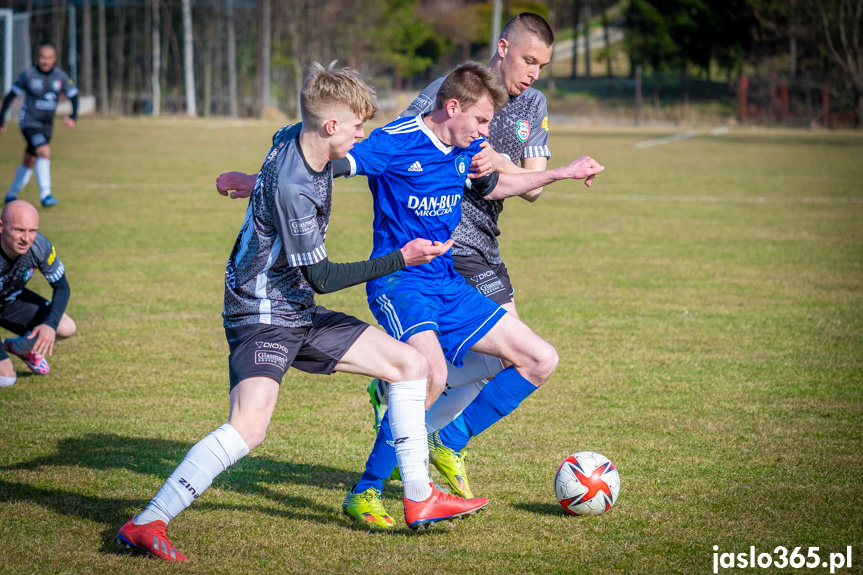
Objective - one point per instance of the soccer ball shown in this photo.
(586, 483)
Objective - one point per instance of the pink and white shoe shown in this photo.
(35, 361)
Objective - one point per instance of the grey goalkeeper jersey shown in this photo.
(41, 92)
(519, 130)
(285, 227)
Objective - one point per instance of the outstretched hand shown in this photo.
(584, 168)
(70, 122)
(241, 183)
(420, 251)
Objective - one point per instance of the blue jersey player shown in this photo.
(417, 168)
(42, 85)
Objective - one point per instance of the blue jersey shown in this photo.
(417, 183)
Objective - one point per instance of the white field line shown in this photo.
(677, 137)
(707, 199)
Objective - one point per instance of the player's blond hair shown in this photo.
(530, 24)
(326, 89)
(468, 84)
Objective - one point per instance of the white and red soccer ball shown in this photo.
(586, 483)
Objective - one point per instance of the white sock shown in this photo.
(43, 177)
(21, 345)
(207, 459)
(22, 176)
(450, 405)
(407, 421)
(8, 381)
(476, 366)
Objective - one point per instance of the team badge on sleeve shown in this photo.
(545, 123)
(53, 255)
(522, 130)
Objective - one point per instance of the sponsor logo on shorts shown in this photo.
(484, 275)
(433, 206)
(271, 358)
(522, 130)
(490, 287)
(304, 226)
(270, 345)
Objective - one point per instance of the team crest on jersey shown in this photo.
(29, 274)
(56, 85)
(522, 130)
(461, 165)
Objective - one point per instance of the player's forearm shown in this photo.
(74, 101)
(510, 185)
(59, 301)
(327, 277)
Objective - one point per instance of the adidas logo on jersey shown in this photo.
(415, 167)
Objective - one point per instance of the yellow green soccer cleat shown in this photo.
(367, 508)
(450, 464)
(378, 389)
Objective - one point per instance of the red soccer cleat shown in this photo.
(440, 507)
(149, 538)
(34, 360)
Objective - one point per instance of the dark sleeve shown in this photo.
(74, 100)
(341, 167)
(486, 184)
(7, 101)
(58, 302)
(327, 277)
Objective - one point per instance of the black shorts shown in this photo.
(260, 350)
(23, 313)
(491, 280)
(35, 138)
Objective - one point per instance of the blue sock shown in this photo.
(496, 400)
(382, 460)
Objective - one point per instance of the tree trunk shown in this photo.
(103, 60)
(156, 60)
(576, 9)
(87, 51)
(232, 59)
(189, 59)
(118, 66)
(587, 39)
(266, 50)
(603, 5)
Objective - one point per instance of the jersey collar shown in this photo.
(431, 136)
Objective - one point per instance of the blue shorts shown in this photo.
(460, 318)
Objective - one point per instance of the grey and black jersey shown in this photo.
(14, 274)
(519, 130)
(41, 92)
(285, 227)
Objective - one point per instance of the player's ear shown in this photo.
(330, 126)
(451, 107)
(502, 46)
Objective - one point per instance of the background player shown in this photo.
(37, 322)
(416, 170)
(42, 86)
(272, 322)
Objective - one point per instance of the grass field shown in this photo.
(705, 297)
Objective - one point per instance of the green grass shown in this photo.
(705, 296)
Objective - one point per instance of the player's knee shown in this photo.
(412, 365)
(43, 152)
(254, 437)
(545, 362)
(67, 328)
